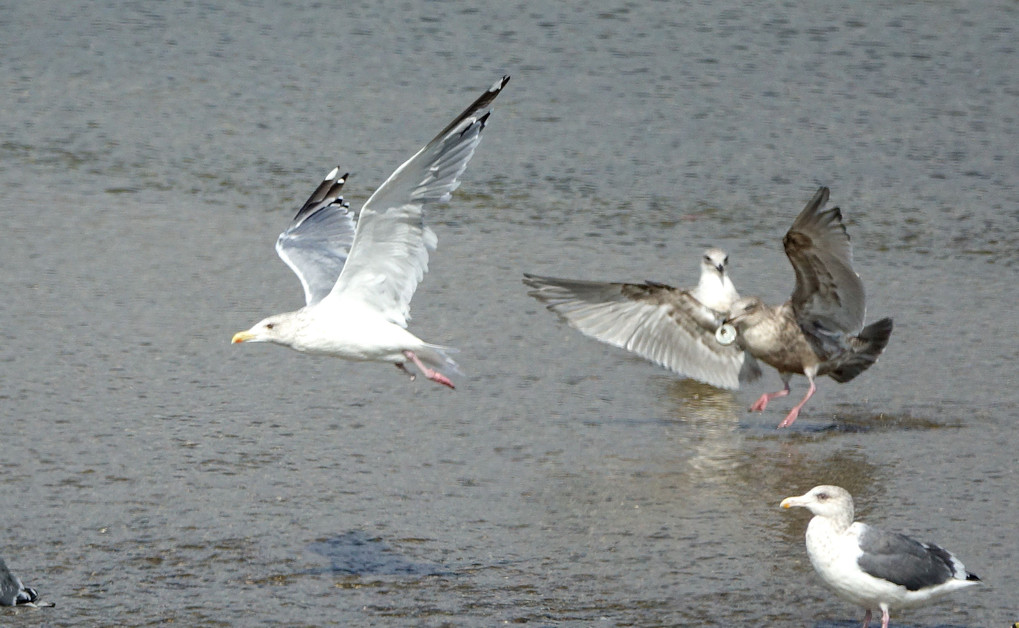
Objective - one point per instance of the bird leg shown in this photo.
(762, 401)
(795, 412)
(431, 374)
(884, 616)
(866, 619)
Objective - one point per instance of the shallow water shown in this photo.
(154, 473)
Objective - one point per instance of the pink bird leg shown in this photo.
(431, 374)
(762, 401)
(795, 412)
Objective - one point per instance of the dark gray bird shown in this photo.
(671, 327)
(818, 330)
(870, 567)
(14, 593)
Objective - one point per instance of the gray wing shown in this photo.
(655, 321)
(904, 561)
(12, 591)
(828, 300)
(389, 255)
(316, 243)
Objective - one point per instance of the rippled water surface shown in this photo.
(150, 153)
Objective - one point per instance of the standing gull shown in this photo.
(870, 567)
(671, 327)
(813, 332)
(14, 593)
(358, 281)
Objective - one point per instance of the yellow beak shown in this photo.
(789, 502)
(242, 336)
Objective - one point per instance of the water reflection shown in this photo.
(358, 553)
(710, 427)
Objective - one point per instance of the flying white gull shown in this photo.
(358, 281)
(671, 327)
(817, 332)
(14, 593)
(870, 567)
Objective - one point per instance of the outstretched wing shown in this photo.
(389, 255)
(828, 300)
(316, 243)
(655, 321)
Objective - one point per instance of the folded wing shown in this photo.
(655, 321)
(12, 591)
(904, 561)
(389, 254)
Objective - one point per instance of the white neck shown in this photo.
(715, 291)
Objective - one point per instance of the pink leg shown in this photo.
(433, 375)
(795, 412)
(762, 401)
(884, 617)
(866, 619)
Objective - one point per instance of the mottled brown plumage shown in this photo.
(815, 332)
(669, 326)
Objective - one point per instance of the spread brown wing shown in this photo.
(828, 300)
(655, 321)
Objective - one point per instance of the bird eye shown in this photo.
(270, 325)
(822, 497)
(725, 262)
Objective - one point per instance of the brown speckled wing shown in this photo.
(828, 300)
(657, 322)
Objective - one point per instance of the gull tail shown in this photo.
(864, 350)
(437, 357)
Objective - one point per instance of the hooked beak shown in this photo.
(790, 502)
(242, 336)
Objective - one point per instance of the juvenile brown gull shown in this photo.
(817, 332)
(870, 567)
(671, 327)
(358, 280)
(14, 593)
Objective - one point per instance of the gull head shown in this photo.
(830, 502)
(714, 261)
(273, 329)
(746, 312)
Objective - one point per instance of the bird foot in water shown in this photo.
(790, 418)
(760, 404)
(762, 401)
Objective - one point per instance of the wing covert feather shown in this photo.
(316, 243)
(657, 322)
(828, 300)
(389, 254)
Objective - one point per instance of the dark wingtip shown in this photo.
(498, 85)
